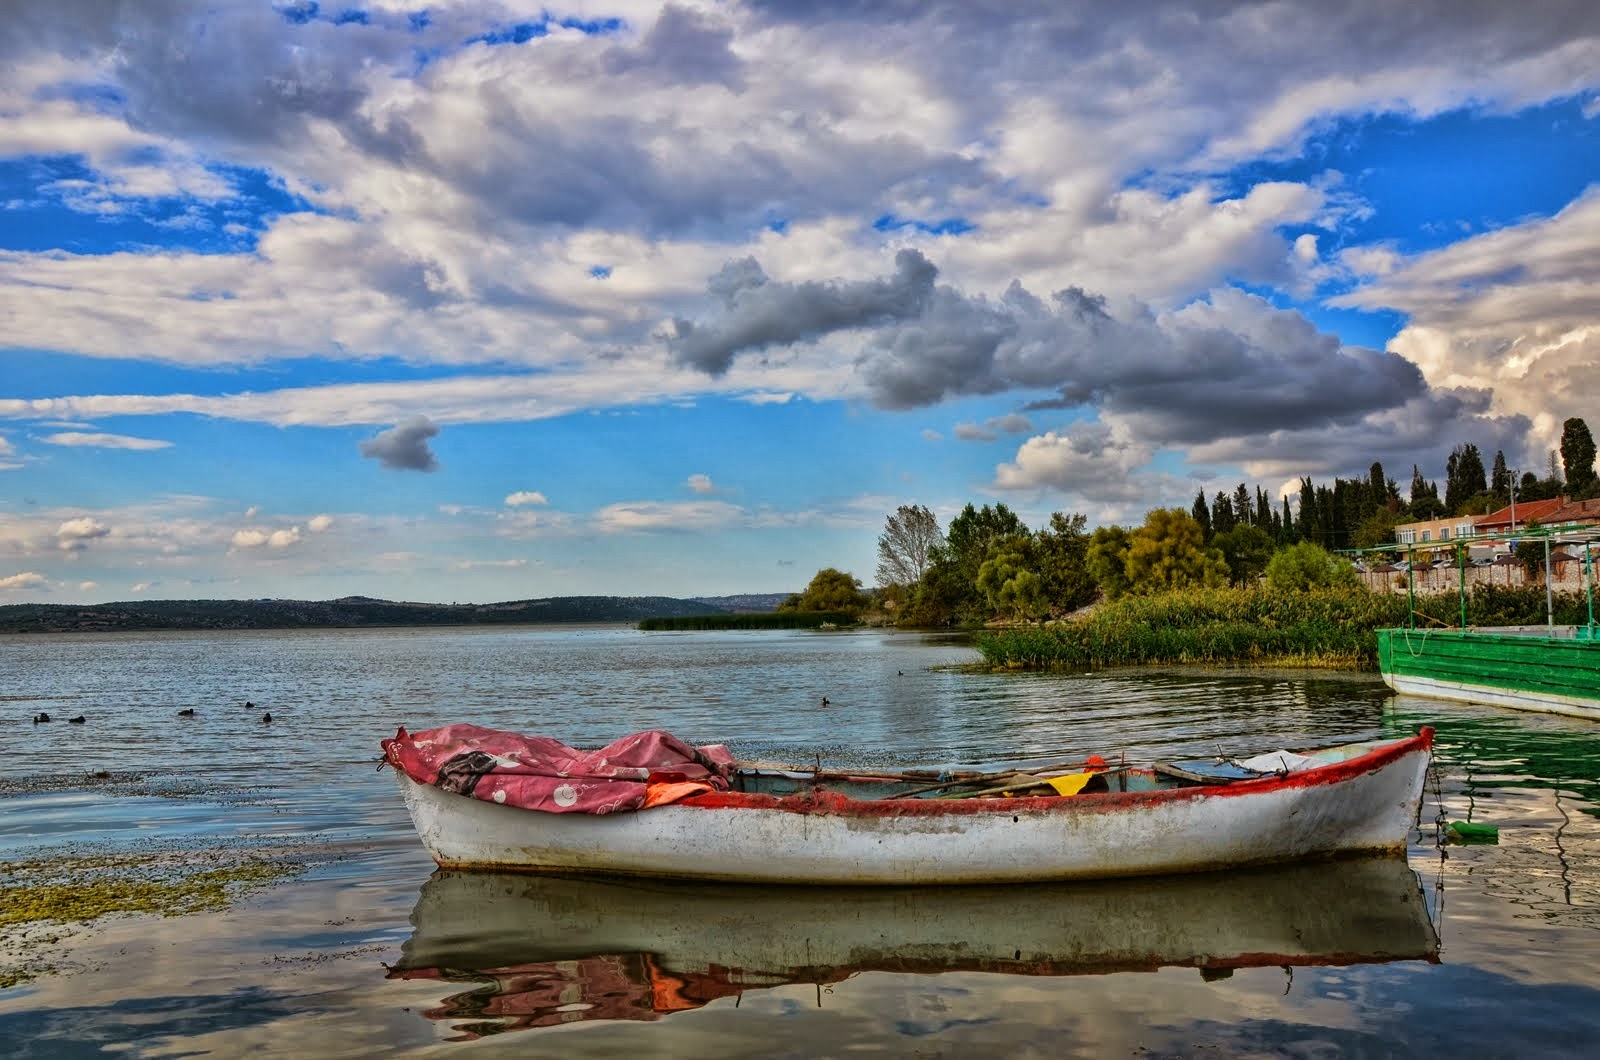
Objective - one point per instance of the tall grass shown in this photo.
(1260, 626)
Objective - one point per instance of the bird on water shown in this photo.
(37, 718)
(186, 712)
(266, 719)
(75, 721)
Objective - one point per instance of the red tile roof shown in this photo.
(1576, 512)
(1525, 512)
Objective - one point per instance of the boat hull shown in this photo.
(1368, 803)
(1525, 671)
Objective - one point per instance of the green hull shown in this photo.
(1555, 672)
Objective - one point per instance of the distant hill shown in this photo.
(746, 602)
(358, 611)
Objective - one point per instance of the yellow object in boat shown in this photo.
(1070, 784)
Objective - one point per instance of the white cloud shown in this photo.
(274, 539)
(640, 516)
(104, 441)
(23, 582)
(492, 564)
(1515, 312)
(698, 483)
(319, 524)
(74, 535)
(1094, 460)
(525, 497)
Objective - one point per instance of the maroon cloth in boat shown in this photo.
(540, 773)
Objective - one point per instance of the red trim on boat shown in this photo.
(823, 801)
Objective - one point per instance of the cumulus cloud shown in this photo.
(759, 313)
(23, 582)
(320, 523)
(74, 535)
(701, 484)
(1185, 375)
(404, 447)
(1515, 312)
(525, 497)
(1091, 459)
(274, 539)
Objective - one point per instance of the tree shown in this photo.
(1464, 477)
(1425, 502)
(1376, 484)
(1222, 515)
(1008, 584)
(1241, 506)
(1168, 552)
(1577, 459)
(1107, 560)
(1202, 514)
(1061, 559)
(1530, 551)
(905, 548)
(830, 590)
(1309, 566)
(971, 538)
(1375, 530)
(1500, 478)
(1246, 550)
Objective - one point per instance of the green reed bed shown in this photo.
(753, 620)
(1256, 626)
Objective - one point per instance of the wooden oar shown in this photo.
(1017, 781)
(788, 767)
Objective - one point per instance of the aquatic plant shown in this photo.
(1255, 626)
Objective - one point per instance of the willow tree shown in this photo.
(907, 544)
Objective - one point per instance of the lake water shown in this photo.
(1463, 950)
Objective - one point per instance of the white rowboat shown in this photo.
(1356, 797)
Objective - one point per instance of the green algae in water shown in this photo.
(73, 891)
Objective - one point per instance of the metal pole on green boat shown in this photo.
(1588, 586)
(1411, 588)
(1461, 569)
(1549, 594)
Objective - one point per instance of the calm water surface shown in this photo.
(1481, 950)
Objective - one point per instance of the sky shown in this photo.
(489, 301)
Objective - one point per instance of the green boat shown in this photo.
(1548, 668)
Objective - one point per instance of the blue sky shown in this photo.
(491, 301)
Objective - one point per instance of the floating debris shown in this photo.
(1474, 832)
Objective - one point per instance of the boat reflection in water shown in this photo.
(538, 951)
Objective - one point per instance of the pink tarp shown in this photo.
(539, 773)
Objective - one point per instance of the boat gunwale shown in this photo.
(823, 801)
